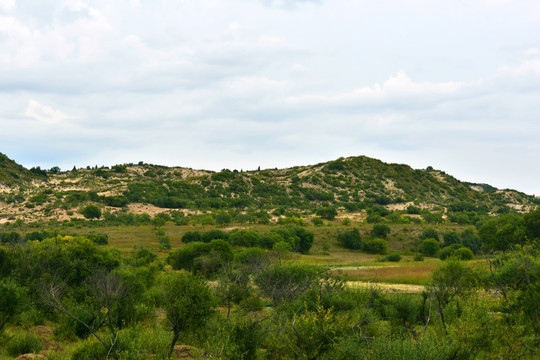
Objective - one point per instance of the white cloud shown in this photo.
(43, 113)
(241, 83)
(7, 5)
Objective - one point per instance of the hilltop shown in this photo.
(348, 184)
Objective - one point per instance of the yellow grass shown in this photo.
(412, 273)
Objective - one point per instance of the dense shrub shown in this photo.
(213, 235)
(448, 251)
(23, 343)
(393, 257)
(429, 247)
(191, 236)
(100, 239)
(464, 254)
(350, 239)
(328, 213)
(375, 246)
(244, 237)
(380, 231)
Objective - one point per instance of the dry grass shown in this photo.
(407, 273)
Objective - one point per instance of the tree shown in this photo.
(451, 238)
(12, 301)
(350, 239)
(375, 246)
(429, 233)
(91, 212)
(285, 282)
(380, 231)
(328, 213)
(187, 302)
(429, 247)
(448, 282)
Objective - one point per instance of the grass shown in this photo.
(407, 273)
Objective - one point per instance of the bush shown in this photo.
(448, 251)
(91, 212)
(23, 343)
(464, 254)
(380, 231)
(100, 239)
(375, 246)
(89, 351)
(213, 235)
(268, 239)
(419, 257)
(393, 257)
(429, 247)
(191, 236)
(350, 239)
(244, 237)
(328, 213)
(429, 233)
(164, 243)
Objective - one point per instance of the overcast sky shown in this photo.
(238, 84)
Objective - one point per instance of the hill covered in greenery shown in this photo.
(352, 184)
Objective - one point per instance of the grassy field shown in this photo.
(352, 265)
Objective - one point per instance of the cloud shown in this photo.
(241, 83)
(43, 113)
(7, 5)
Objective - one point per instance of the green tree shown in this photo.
(375, 246)
(91, 212)
(328, 213)
(448, 282)
(429, 247)
(350, 239)
(187, 301)
(13, 300)
(380, 231)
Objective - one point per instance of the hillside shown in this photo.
(347, 184)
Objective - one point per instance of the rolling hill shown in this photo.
(350, 184)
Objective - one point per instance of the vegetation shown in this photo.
(232, 265)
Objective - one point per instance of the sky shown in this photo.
(237, 84)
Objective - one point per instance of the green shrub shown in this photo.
(448, 251)
(191, 236)
(375, 246)
(380, 231)
(350, 239)
(213, 235)
(393, 257)
(464, 254)
(100, 239)
(164, 243)
(419, 257)
(244, 237)
(429, 246)
(23, 343)
(89, 351)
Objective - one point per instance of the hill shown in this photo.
(350, 184)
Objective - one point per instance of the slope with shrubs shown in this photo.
(351, 184)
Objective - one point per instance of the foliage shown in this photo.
(13, 300)
(327, 213)
(380, 231)
(23, 343)
(429, 247)
(187, 302)
(393, 257)
(285, 282)
(375, 246)
(91, 212)
(350, 239)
